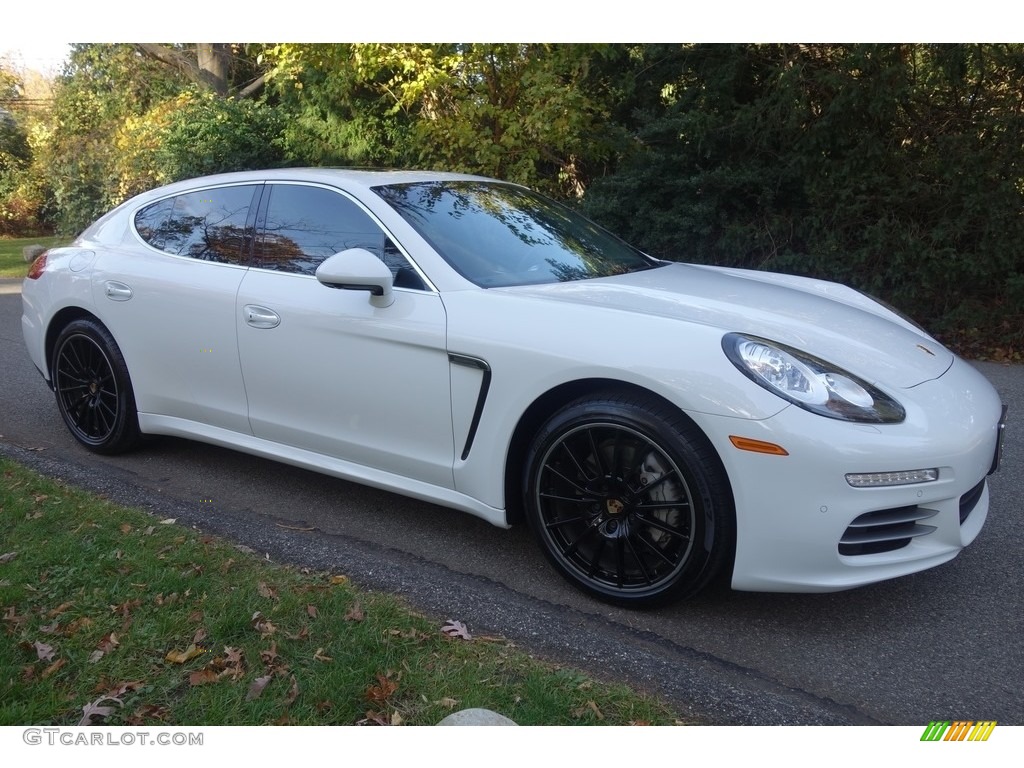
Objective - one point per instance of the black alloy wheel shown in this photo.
(629, 500)
(93, 390)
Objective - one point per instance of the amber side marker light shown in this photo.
(757, 446)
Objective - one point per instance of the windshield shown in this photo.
(497, 234)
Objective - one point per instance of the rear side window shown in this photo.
(209, 225)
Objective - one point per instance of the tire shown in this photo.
(93, 389)
(629, 500)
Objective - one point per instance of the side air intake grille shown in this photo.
(885, 530)
(970, 500)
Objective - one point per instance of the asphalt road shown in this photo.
(943, 644)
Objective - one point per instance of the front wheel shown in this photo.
(94, 392)
(628, 500)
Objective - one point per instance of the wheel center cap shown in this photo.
(614, 506)
(92, 387)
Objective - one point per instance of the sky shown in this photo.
(38, 47)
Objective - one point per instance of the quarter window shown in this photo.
(209, 225)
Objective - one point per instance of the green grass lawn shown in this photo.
(12, 262)
(108, 610)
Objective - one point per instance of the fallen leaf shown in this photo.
(202, 677)
(336, 580)
(447, 702)
(311, 611)
(396, 719)
(121, 689)
(53, 668)
(374, 718)
(95, 709)
(95, 656)
(181, 657)
(149, 530)
(293, 692)
(320, 656)
(592, 707)
(456, 629)
(126, 528)
(169, 521)
(303, 634)
(80, 623)
(256, 689)
(266, 590)
(199, 636)
(50, 629)
(59, 610)
(108, 642)
(6, 557)
(355, 612)
(233, 656)
(148, 712)
(270, 655)
(227, 565)
(382, 691)
(262, 624)
(195, 616)
(43, 651)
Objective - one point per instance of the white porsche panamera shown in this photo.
(468, 342)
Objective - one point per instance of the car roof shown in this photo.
(345, 177)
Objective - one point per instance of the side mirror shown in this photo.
(358, 270)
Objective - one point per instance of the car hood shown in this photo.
(828, 320)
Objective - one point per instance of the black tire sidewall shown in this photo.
(695, 459)
(125, 433)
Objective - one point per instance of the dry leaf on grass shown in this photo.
(182, 657)
(96, 709)
(320, 656)
(257, 686)
(6, 557)
(355, 612)
(382, 691)
(44, 652)
(456, 629)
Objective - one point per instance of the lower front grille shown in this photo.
(970, 500)
(885, 530)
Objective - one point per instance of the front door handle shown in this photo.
(261, 317)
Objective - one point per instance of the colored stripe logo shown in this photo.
(958, 730)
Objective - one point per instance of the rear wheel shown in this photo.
(628, 500)
(94, 392)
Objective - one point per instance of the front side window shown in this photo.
(304, 225)
(209, 225)
(498, 234)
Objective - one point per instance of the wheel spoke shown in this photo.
(651, 486)
(571, 482)
(654, 522)
(639, 560)
(665, 558)
(579, 467)
(566, 521)
(661, 505)
(571, 549)
(570, 499)
(595, 562)
(596, 453)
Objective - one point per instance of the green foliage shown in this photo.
(205, 134)
(527, 113)
(894, 168)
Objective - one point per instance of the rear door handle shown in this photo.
(261, 317)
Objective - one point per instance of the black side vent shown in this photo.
(885, 530)
(970, 500)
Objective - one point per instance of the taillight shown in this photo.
(38, 267)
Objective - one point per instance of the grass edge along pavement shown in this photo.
(112, 616)
(12, 259)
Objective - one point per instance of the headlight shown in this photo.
(811, 383)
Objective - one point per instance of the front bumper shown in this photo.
(794, 511)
